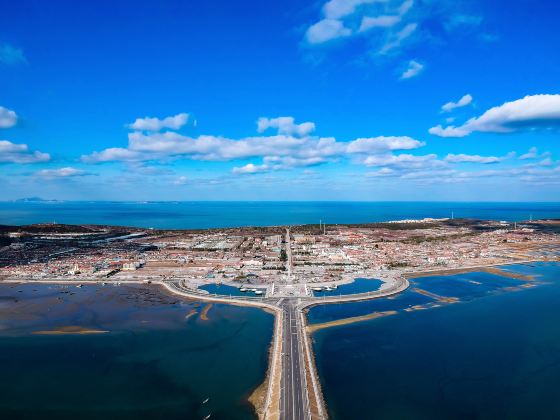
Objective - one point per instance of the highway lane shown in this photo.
(294, 392)
(289, 262)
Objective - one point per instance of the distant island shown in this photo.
(35, 200)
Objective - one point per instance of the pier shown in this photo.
(294, 391)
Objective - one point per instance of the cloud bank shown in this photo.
(290, 145)
(529, 113)
(155, 124)
(20, 153)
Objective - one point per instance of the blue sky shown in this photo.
(280, 100)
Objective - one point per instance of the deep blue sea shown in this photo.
(493, 355)
(192, 215)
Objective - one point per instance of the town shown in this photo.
(266, 255)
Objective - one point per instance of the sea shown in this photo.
(491, 350)
(221, 214)
(127, 352)
(492, 354)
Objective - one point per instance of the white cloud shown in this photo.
(404, 161)
(383, 172)
(182, 180)
(140, 168)
(250, 168)
(463, 158)
(382, 144)
(8, 118)
(285, 125)
(395, 40)
(529, 174)
(20, 153)
(383, 21)
(326, 30)
(67, 172)
(348, 18)
(283, 150)
(155, 124)
(531, 154)
(529, 113)
(405, 7)
(464, 101)
(407, 166)
(12, 152)
(450, 131)
(335, 9)
(278, 152)
(414, 68)
(114, 154)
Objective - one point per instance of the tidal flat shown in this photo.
(124, 352)
(492, 353)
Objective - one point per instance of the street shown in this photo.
(294, 392)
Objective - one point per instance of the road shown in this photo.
(289, 262)
(293, 399)
(296, 358)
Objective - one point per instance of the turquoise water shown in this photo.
(465, 286)
(357, 286)
(332, 312)
(157, 361)
(176, 215)
(227, 290)
(494, 355)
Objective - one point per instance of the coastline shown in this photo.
(479, 267)
(269, 406)
(265, 399)
(346, 321)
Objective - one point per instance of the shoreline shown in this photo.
(473, 268)
(312, 328)
(265, 398)
(264, 402)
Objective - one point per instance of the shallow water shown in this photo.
(159, 359)
(493, 355)
(357, 286)
(465, 285)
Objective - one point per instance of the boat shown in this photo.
(206, 400)
(328, 289)
(317, 289)
(242, 289)
(79, 285)
(207, 417)
(258, 292)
